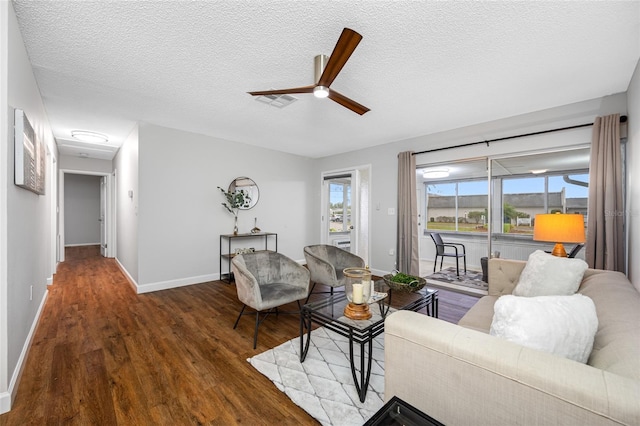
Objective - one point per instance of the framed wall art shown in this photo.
(30, 158)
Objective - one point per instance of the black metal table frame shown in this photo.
(309, 314)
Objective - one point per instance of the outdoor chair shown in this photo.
(575, 251)
(445, 250)
(266, 280)
(326, 263)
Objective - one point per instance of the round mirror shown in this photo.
(249, 188)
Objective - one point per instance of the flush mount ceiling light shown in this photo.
(435, 173)
(538, 172)
(91, 137)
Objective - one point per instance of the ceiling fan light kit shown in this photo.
(326, 70)
(320, 92)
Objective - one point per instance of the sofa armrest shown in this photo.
(504, 275)
(460, 377)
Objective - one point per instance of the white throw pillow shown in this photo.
(561, 325)
(548, 275)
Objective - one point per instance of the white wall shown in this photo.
(68, 162)
(384, 158)
(27, 229)
(125, 165)
(81, 209)
(181, 216)
(633, 179)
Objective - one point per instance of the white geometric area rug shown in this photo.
(323, 384)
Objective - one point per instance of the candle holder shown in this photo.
(358, 291)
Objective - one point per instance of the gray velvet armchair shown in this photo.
(326, 263)
(266, 280)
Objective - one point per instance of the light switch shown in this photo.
(391, 211)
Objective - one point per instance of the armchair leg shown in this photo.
(310, 293)
(255, 333)
(241, 311)
(464, 259)
(457, 266)
(435, 262)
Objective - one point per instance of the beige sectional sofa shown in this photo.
(461, 375)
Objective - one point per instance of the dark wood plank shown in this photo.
(105, 355)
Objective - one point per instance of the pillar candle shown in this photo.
(357, 293)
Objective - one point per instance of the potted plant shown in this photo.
(235, 201)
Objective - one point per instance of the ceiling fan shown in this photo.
(326, 70)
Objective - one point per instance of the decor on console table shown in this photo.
(236, 200)
(255, 229)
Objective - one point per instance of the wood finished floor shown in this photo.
(103, 355)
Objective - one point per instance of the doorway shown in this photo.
(345, 210)
(85, 211)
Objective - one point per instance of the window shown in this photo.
(524, 197)
(522, 186)
(339, 204)
(457, 206)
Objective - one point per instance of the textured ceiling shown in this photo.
(422, 67)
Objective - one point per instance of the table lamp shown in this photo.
(559, 228)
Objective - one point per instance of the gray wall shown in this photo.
(25, 218)
(384, 158)
(633, 178)
(81, 209)
(125, 166)
(180, 211)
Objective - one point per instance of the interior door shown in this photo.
(103, 216)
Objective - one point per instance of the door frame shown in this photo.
(109, 207)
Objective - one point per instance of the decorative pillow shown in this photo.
(548, 275)
(561, 325)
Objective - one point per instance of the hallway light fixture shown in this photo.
(435, 173)
(87, 136)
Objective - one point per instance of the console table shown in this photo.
(226, 256)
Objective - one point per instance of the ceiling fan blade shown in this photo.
(345, 46)
(348, 103)
(305, 89)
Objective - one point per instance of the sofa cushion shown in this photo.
(548, 275)
(616, 347)
(561, 325)
(480, 316)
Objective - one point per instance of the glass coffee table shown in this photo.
(328, 312)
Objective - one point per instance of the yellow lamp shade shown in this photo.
(559, 228)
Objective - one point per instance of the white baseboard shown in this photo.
(181, 282)
(165, 285)
(6, 398)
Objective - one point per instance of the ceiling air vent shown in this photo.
(278, 101)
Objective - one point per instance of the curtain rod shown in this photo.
(623, 119)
